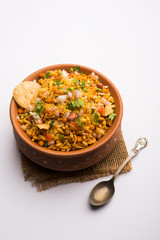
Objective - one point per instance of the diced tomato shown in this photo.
(93, 85)
(70, 74)
(75, 72)
(72, 116)
(39, 121)
(100, 109)
(73, 125)
(48, 136)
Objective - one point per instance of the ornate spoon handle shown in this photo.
(140, 144)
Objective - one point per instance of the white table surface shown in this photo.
(121, 39)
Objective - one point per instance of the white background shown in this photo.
(121, 39)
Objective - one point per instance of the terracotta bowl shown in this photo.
(74, 160)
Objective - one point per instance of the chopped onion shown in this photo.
(39, 121)
(104, 101)
(80, 113)
(53, 109)
(50, 143)
(95, 96)
(76, 72)
(67, 114)
(34, 115)
(56, 123)
(101, 131)
(38, 99)
(24, 127)
(51, 96)
(37, 117)
(77, 93)
(64, 74)
(99, 135)
(61, 98)
(57, 113)
(69, 94)
(18, 117)
(94, 76)
(80, 94)
(45, 94)
(30, 107)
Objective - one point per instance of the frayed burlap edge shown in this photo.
(44, 178)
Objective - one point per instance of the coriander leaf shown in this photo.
(25, 115)
(71, 70)
(112, 116)
(81, 103)
(96, 118)
(71, 89)
(39, 103)
(38, 108)
(57, 82)
(46, 144)
(95, 115)
(99, 90)
(79, 119)
(76, 81)
(47, 75)
(77, 68)
(71, 106)
(64, 90)
(83, 84)
(84, 89)
(60, 136)
(51, 123)
(81, 124)
(76, 103)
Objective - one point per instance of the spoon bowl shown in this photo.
(102, 193)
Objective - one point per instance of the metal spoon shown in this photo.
(104, 191)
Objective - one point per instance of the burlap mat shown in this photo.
(44, 178)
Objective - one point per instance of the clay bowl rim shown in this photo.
(99, 143)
